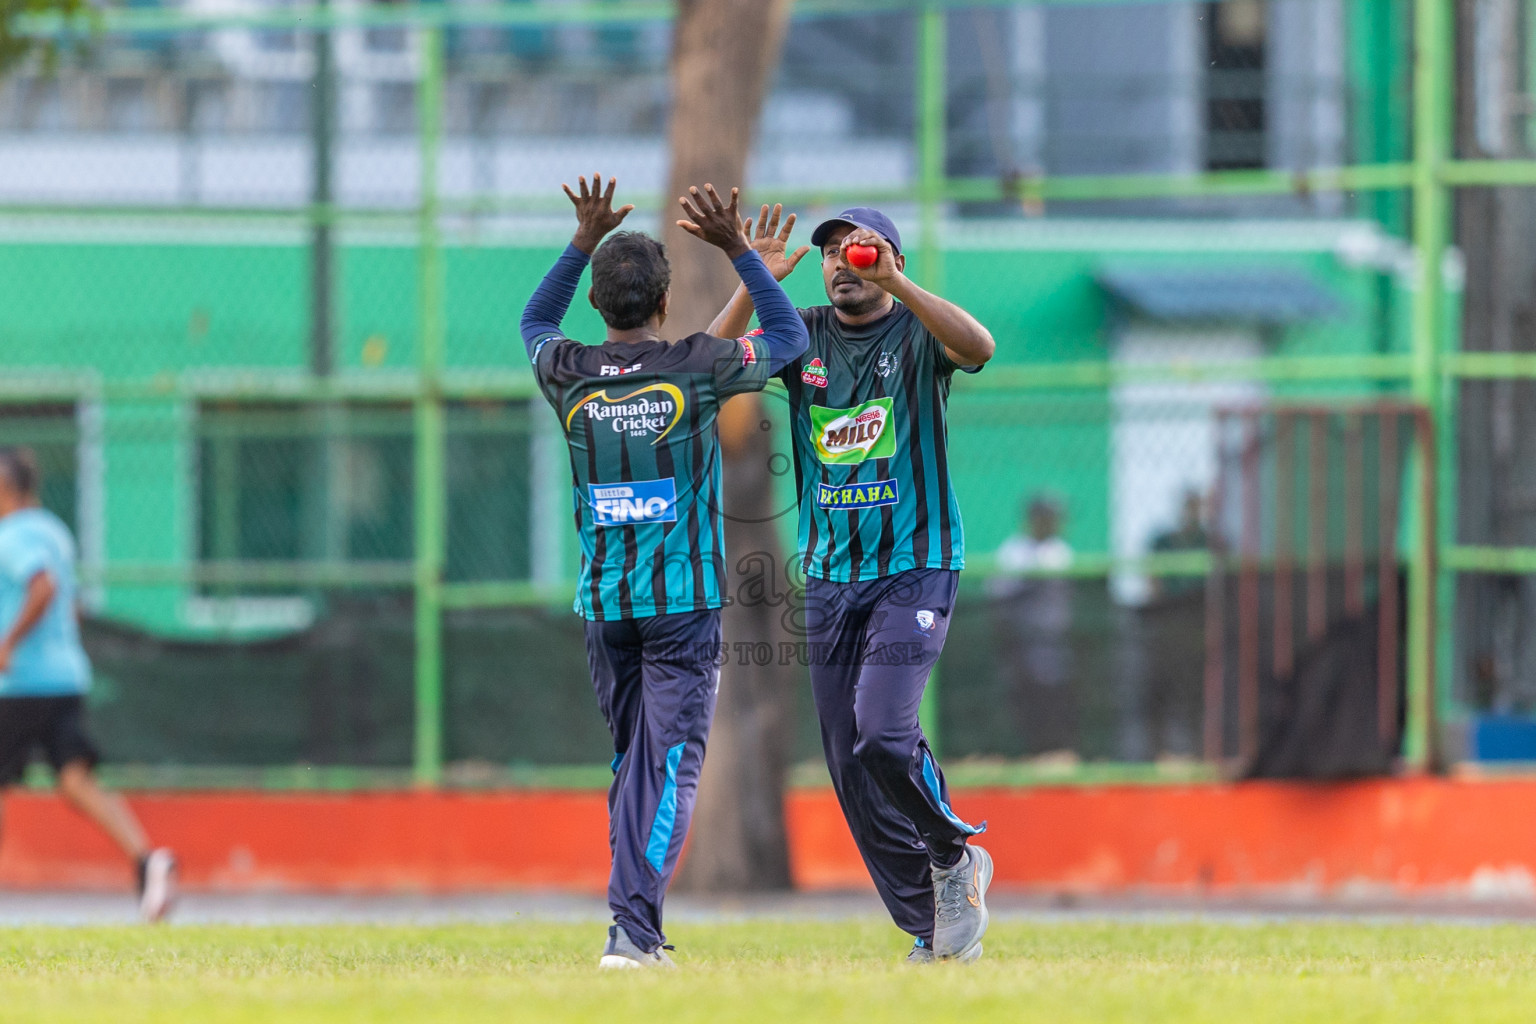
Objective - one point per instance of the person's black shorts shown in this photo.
(56, 724)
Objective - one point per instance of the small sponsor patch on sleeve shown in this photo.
(749, 352)
(539, 345)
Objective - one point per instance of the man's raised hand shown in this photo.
(595, 215)
(772, 243)
(709, 217)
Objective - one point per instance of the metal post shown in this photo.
(431, 456)
(322, 134)
(1433, 46)
(931, 143)
(327, 518)
(931, 73)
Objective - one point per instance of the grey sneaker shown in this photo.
(622, 954)
(960, 904)
(922, 955)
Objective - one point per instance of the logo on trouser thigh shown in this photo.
(926, 620)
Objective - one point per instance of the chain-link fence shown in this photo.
(273, 260)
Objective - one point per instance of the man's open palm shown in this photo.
(595, 214)
(772, 242)
(712, 219)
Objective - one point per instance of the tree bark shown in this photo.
(723, 54)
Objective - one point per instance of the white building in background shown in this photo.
(222, 118)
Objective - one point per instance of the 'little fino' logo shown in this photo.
(814, 374)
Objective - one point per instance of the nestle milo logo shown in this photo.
(846, 437)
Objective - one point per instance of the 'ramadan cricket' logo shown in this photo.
(846, 437)
(633, 414)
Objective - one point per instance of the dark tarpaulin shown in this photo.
(1321, 721)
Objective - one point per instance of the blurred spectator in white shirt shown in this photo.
(1033, 600)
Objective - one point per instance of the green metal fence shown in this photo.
(411, 407)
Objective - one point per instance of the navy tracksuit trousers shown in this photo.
(872, 647)
(656, 680)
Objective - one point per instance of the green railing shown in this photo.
(1431, 370)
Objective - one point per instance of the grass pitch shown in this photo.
(770, 971)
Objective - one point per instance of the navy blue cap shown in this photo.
(859, 217)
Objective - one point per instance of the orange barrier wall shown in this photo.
(1414, 834)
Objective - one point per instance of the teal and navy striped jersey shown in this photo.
(639, 418)
(867, 408)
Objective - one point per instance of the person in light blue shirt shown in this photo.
(44, 675)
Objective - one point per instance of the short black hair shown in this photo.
(19, 467)
(630, 274)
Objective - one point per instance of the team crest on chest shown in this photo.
(814, 374)
(887, 364)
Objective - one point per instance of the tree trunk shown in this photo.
(1496, 232)
(723, 53)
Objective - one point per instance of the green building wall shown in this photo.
(131, 310)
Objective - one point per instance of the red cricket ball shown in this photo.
(862, 256)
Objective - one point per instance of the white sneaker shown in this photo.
(622, 954)
(157, 884)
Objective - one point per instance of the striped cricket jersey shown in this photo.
(639, 418)
(867, 407)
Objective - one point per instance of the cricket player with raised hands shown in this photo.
(881, 546)
(639, 416)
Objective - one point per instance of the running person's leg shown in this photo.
(106, 810)
(836, 617)
(56, 725)
(72, 754)
(670, 662)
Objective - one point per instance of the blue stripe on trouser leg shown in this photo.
(655, 680)
(931, 779)
(875, 644)
(666, 812)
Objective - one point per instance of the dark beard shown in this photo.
(860, 306)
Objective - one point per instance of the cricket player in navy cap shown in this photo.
(882, 548)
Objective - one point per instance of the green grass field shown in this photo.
(813, 971)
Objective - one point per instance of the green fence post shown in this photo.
(931, 147)
(431, 457)
(1432, 39)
